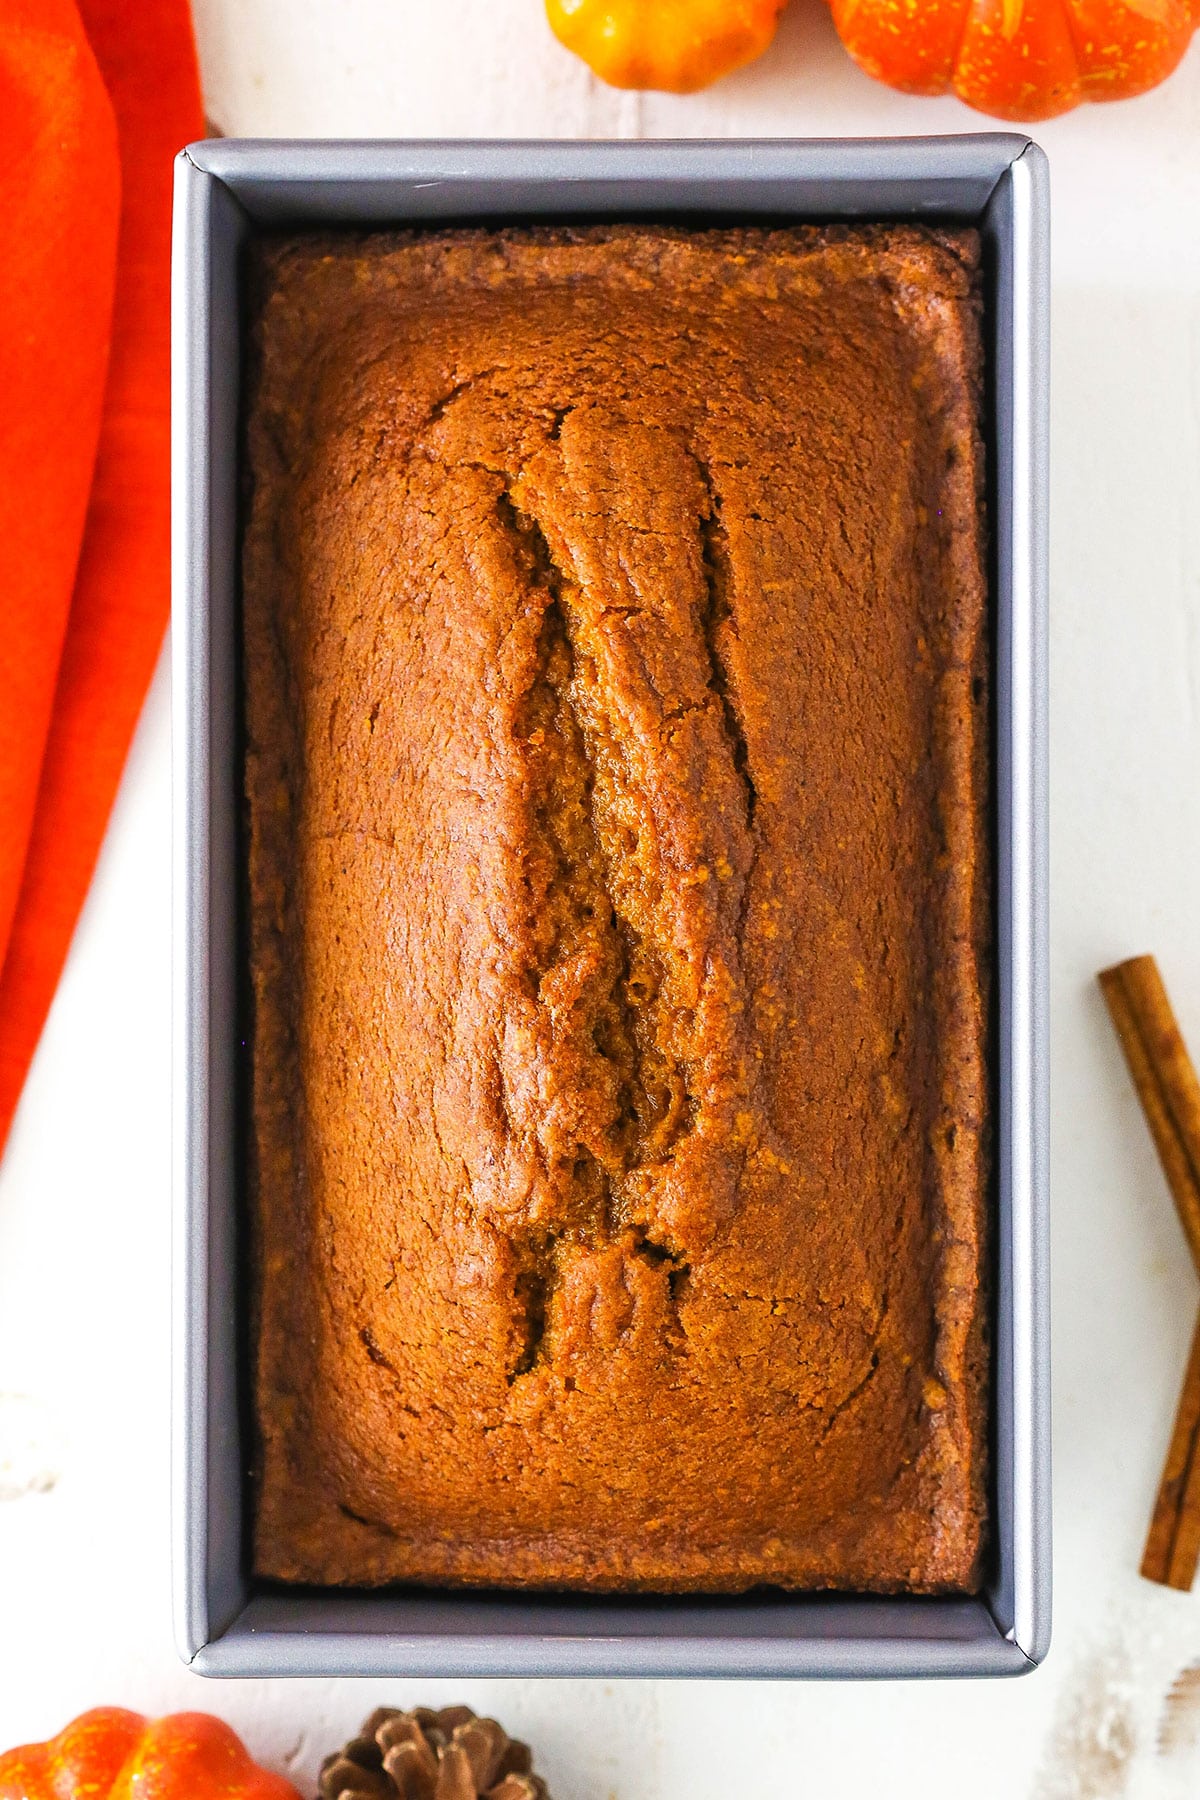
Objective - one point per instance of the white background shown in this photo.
(84, 1231)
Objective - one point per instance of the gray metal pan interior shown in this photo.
(224, 1625)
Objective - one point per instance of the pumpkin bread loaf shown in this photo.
(615, 663)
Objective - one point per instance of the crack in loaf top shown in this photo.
(616, 707)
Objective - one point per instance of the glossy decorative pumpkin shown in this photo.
(1018, 59)
(676, 45)
(110, 1754)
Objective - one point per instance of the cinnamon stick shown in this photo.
(1165, 1079)
(1169, 1091)
(1173, 1541)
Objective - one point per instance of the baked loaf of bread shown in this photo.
(615, 660)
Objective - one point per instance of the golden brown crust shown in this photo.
(615, 642)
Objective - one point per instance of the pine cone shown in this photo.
(426, 1755)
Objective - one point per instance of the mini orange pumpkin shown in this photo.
(677, 45)
(110, 1754)
(1018, 59)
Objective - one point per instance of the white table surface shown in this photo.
(84, 1232)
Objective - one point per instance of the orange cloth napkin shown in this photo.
(96, 96)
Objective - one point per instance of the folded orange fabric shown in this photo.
(95, 99)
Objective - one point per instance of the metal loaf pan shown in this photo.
(226, 1625)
